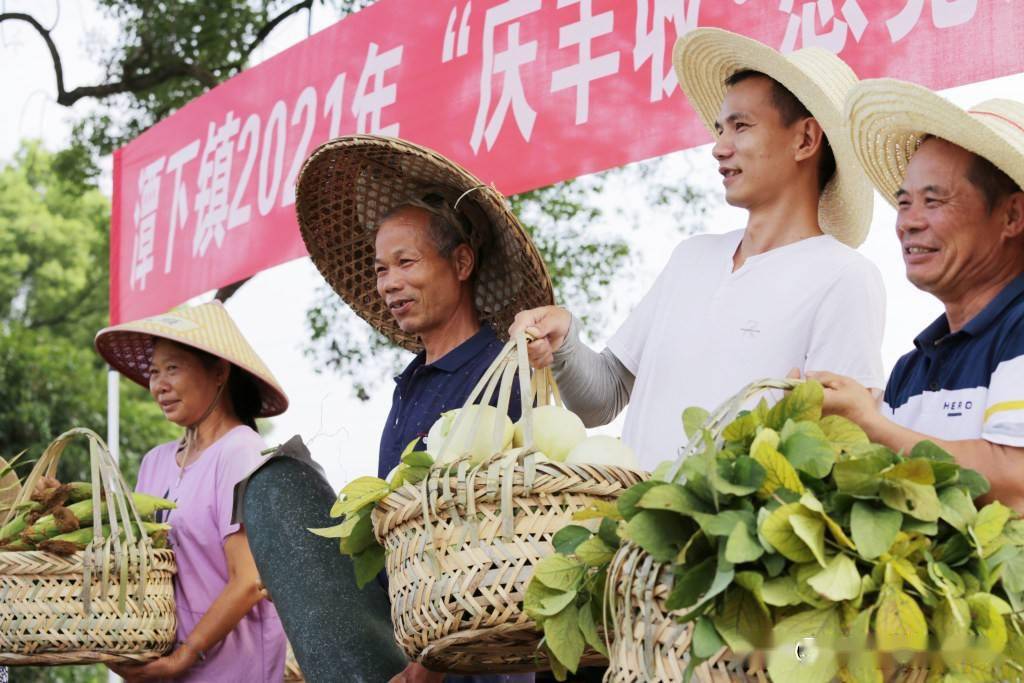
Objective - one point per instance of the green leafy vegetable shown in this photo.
(792, 532)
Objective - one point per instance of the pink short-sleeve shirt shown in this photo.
(255, 650)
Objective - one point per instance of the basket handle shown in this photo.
(108, 489)
(726, 413)
(510, 366)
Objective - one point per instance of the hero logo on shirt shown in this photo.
(957, 408)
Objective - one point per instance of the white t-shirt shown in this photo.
(704, 332)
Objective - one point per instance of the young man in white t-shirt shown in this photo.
(787, 291)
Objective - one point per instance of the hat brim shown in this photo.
(706, 57)
(128, 348)
(349, 184)
(888, 118)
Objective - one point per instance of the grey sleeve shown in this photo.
(595, 386)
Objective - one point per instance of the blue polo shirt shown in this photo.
(968, 384)
(423, 391)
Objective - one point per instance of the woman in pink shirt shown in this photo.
(208, 380)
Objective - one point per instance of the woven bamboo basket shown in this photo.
(112, 602)
(649, 644)
(462, 544)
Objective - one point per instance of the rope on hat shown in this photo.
(455, 206)
(1002, 118)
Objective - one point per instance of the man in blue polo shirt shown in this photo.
(424, 266)
(955, 177)
(436, 263)
(424, 270)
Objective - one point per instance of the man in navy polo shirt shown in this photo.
(424, 273)
(435, 261)
(960, 222)
(425, 268)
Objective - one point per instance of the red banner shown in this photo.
(522, 92)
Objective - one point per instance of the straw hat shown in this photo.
(706, 57)
(349, 184)
(888, 118)
(129, 347)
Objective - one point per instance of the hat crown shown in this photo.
(1005, 117)
(829, 73)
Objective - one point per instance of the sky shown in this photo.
(343, 432)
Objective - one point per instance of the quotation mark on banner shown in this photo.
(456, 45)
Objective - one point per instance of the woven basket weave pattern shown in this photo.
(348, 186)
(649, 645)
(644, 630)
(455, 600)
(42, 620)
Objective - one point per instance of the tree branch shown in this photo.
(227, 291)
(131, 84)
(58, 68)
(138, 82)
(267, 28)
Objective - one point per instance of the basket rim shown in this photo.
(71, 657)
(404, 505)
(69, 564)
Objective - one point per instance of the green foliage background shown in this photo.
(54, 272)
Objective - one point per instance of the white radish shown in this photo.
(475, 434)
(556, 431)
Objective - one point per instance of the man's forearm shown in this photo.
(1003, 466)
(595, 386)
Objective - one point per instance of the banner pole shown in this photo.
(113, 440)
(113, 414)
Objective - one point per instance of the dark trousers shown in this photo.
(587, 674)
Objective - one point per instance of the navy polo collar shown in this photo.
(466, 351)
(931, 335)
(453, 360)
(939, 329)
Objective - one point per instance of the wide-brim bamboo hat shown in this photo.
(889, 118)
(350, 183)
(706, 57)
(128, 347)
